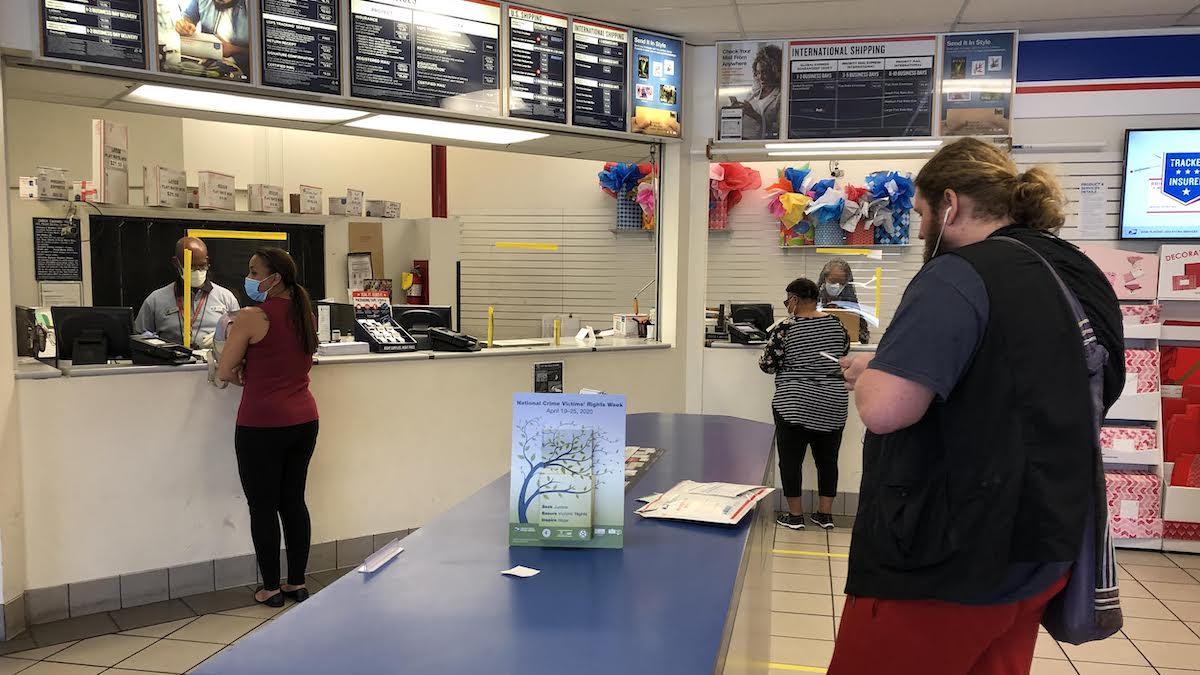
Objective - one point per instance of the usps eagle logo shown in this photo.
(1181, 176)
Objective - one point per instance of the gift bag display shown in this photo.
(629, 213)
(718, 211)
(829, 234)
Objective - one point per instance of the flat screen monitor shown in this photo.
(88, 324)
(418, 319)
(762, 315)
(1161, 194)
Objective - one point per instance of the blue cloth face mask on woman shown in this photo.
(252, 290)
(834, 290)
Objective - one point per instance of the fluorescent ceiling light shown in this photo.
(908, 145)
(236, 104)
(851, 153)
(424, 126)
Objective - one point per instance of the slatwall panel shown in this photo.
(594, 273)
(1072, 169)
(747, 264)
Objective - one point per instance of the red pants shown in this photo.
(929, 637)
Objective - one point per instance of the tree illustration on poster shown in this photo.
(567, 481)
(553, 457)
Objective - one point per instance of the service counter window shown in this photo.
(577, 242)
(848, 226)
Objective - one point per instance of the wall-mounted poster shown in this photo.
(861, 87)
(537, 65)
(978, 83)
(205, 38)
(438, 53)
(300, 46)
(601, 59)
(110, 32)
(749, 90)
(657, 84)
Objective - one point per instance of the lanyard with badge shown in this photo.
(197, 316)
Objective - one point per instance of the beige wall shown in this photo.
(12, 523)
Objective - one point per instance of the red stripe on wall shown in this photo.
(1115, 86)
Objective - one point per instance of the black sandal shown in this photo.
(298, 595)
(275, 601)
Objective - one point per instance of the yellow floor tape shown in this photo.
(797, 669)
(815, 554)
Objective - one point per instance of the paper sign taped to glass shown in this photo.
(567, 485)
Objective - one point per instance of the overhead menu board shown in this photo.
(601, 60)
(300, 47)
(439, 53)
(205, 38)
(109, 32)
(537, 65)
(978, 81)
(656, 84)
(861, 87)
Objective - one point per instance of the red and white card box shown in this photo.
(1141, 314)
(1128, 439)
(1134, 504)
(1142, 364)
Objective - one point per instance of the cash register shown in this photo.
(748, 324)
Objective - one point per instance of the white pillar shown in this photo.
(12, 524)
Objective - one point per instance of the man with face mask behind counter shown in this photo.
(162, 312)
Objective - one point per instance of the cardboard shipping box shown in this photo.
(265, 198)
(368, 238)
(217, 191)
(307, 201)
(850, 320)
(165, 187)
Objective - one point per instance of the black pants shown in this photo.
(792, 441)
(273, 465)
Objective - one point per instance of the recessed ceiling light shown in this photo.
(237, 104)
(424, 126)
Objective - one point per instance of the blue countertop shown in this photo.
(441, 607)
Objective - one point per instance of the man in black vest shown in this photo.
(980, 466)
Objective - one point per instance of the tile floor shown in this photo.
(127, 643)
(1160, 595)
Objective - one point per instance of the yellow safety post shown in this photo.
(878, 291)
(557, 331)
(187, 298)
(491, 324)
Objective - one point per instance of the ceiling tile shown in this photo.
(1013, 11)
(864, 16)
(1191, 20)
(701, 39)
(1073, 25)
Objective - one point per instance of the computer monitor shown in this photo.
(762, 315)
(92, 335)
(418, 319)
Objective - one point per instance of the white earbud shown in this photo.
(946, 217)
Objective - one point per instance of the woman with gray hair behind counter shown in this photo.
(836, 285)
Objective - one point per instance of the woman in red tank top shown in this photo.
(269, 352)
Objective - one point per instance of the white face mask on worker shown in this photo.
(198, 278)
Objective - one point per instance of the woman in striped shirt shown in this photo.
(810, 398)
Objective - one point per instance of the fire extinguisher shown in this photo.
(416, 292)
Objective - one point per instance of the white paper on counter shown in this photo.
(522, 572)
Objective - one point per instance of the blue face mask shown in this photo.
(252, 290)
(834, 290)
